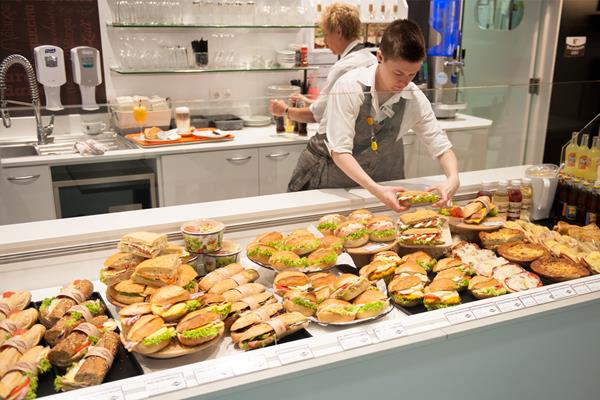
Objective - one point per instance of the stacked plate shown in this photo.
(286, 58)
(257, 120)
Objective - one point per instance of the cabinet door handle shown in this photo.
(278, 155)
(22, 178)
(234, 159)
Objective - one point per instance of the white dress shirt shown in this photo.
(347, 62)
(346, 97)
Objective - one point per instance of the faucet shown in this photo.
(43, 132)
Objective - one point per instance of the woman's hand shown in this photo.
(277, 107)
(388, 195)
(446, 190)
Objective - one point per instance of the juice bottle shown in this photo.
(527, 192)
(560, 198)
(515, 199)
(583, 157)
(500, 198)
(571, 155)
(594, 154)
(582, 200)
(591, 206)
(571, 211)
(597, 195)
(486, 189)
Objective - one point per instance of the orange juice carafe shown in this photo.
(594, 154)
(583, 157)
(571, 155)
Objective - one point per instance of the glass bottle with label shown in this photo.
(515, 199)
(591, 206)
(583, 157)
(500, 198)
(582, 200)
(527, 194)
(486, 189)
(571, 210)
(571, 155)
(594, 154)
(560, 198)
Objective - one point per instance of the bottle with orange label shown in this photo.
(594, 154)
(571, 155)
(583, 157)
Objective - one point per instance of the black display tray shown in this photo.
(124, 366)
(301, 334)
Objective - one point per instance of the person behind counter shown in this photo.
(341, 24)
(368, 111)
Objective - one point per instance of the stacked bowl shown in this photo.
(286, 58)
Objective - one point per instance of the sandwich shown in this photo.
(158, 271)
(13, 348)
(418, 197)
(271, 331)
(17, 321)
(249, 318)
(132, 313)
(329, 223)
(421, 258)
(361, 215)
(143, 244)
(456, 275)
(348, 286)
(592, 260)
(407, 290)
(332, 242)
(13, 301)
(149, 335)
(260, 252)
(93, 367)
(502, 272)
(522, 281)
(272, 239)
(301, 245)
(76, 315)
(352, 233)
(76, 344)
(441, 294)
(169, 303)
(129, 292)
(283, 260)
(422, 218)
(411, 268)
(300, 233)
(21, 380)
(118, 267)
(242, 277)
(53, 308)
(336, 311)
(322, 258)
(377, 270)
(199, 327)
(245, 290)
(451, 262)
(303, 302)
(387, 256)
(483, 287)
(381, 229)
(491, 240)
(476, 211)
(218, 275)
(291, 280)
(370, 303)
(322, 285)
(176, 249)
(249, 303)
(186, 278)
(422, 237)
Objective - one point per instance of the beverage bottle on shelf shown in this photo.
(582, 200)
(571, 155)
(594, 154)
(515, 199)
(527, 193)
(597, 196)
(583, 157)
(500, 198)
(571, 210)
(591, 206)
(559, 206)
(486, 189)
(302, 131)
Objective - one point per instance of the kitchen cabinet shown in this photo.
(26, 194)
(275, 167)
(207, 176)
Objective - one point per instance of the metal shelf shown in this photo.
(131, 71)
(211, 26)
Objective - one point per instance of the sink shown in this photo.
(64, 145)
(18, 150)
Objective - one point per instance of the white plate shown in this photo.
(214, 134)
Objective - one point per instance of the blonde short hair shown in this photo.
(342, 16)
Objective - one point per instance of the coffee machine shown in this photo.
(445, 57)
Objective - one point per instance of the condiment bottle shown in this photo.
(571, 155)
(302, 131)
(583, 158)
(527, 193)
(500, 198)
(571, 211)
(515, 198)
(486, 189)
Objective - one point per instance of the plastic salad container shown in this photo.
(203, 235)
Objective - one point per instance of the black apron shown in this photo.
(316, 169)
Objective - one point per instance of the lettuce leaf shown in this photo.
(357, 235)
(372, 306)
(33, 387)
(45, 303)
(93, 307)
(328, 226)
(204, 331)
(153, 339)
(305, 303)
(385, 233)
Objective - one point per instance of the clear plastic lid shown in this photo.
(503, 183)
(526, 181)
(515, 182)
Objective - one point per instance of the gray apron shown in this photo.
(316, 169)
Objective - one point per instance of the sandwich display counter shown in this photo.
(536, 344)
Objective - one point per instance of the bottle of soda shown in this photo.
(591, 206)
(571, 211)
(582, 200)
(560, 198)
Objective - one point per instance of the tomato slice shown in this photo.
(7, 294)
(76, 281)
(22, 386)
(83, 346)
(20, 332)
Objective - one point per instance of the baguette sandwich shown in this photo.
(76, 315)
(129, 292)
(407, 290)
(361, 215)
(16, 322)
(13, 301)
(483, 287)
(419, 219)
(370, 303)
(271, 331)
(21, 380)
(353, 233)
(212, 278)
(303, 302)
(76, 344)
(421, 258)
(170, 303)
(329, 223)
(476, 211)
(242, 277)
(418, 197)
(149, 335)
(441, 293)
(13, 348)
(291, 280)
(253, 317)
(336, 311)
(349, 286)
(199, 327)
(53, 308)
(131, 314)
(378, 269)
(422, 237)
(381, 229)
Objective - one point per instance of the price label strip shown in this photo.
(213, 373)
(510, 305)
(354, 340)
(458, 317)
(296, 354)
(581, 288)
(594, 286)
(528, 301)
(165, 384)
(247, 364)
(543, 297)
(563, 292)
(485, 311)
(115, 393)
(390, 332)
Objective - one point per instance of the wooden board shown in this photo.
(135, 138)
(175, 349)
(372, 248)
(488, 225)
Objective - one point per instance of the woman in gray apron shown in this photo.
(377, 153)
